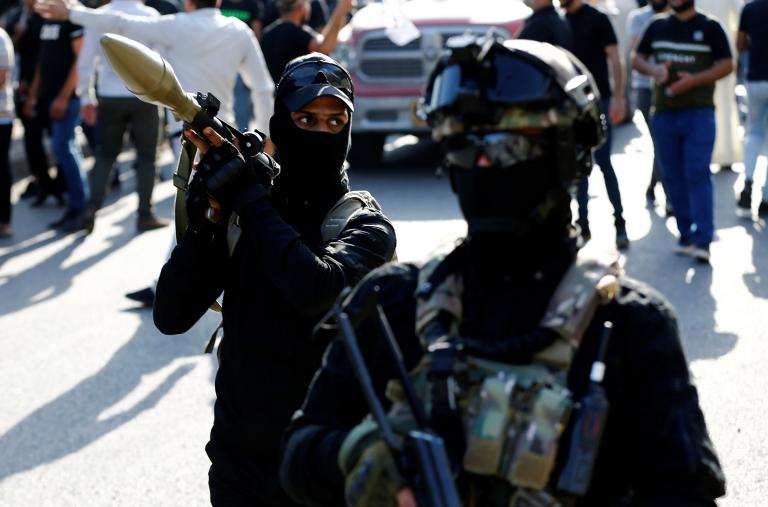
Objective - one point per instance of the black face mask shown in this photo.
(507, 200)
(312, 162)
(659, 6)
(683, 6)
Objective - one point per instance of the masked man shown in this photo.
(281, 256)
(507, 336)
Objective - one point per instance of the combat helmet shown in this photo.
(487, 84)
(529, 108)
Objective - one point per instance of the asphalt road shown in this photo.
(100, 409)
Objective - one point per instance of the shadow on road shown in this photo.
(53, 276)
(406, 183)
(757, 281)
(687, 284)
(93, 408)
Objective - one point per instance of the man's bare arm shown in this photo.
(688, 81)
(618, 107)
(742, 42)
(643, 64)
(326, 43)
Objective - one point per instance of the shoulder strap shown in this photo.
(181, 182)
(439, 291)
(591, 281)
(344, 210)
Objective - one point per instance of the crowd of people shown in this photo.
(679, 53)
(516, 400)
(61, 82)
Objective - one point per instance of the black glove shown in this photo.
(224, 173)
(196, 202)
(227, 174)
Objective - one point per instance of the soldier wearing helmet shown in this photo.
(551, 378)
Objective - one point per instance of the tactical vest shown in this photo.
(351, 204)
(511, 416)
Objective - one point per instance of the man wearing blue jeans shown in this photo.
(753, 37)
(691, 53)
(52, 96)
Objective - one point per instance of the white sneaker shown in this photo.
(684, 249)
(701, 254)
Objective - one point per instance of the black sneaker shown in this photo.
(745, 197)
(762, 210)
(650, 196)
(622, 240)
(66, 217)
(144, 296)
(585, 233)
(31, 190)
(77, 223)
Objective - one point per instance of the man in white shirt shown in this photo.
(117, 110)
(728, 146)
(205, 48)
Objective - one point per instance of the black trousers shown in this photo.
(236, 479)
(5, 173)
(118, 115)
(37, 160)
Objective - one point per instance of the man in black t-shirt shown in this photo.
(595, 45)
(289, 37)
(753, 37)
(52, 96)
(546, 25)
(249, 12)
(23, 25)
(691, 53)
(163, 6)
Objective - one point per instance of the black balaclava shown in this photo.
(312, 178)
(659, 5)
(683, 6)
(502, 209)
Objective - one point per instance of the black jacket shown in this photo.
(655, 450)
(277, 284)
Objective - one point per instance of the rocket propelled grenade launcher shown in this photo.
(147, 75)
(152, 79)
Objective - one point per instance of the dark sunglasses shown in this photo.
(305, 74)
(499, 149)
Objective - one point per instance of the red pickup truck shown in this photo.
(389, 78)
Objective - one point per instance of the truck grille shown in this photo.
(384, 44)
(394, 67)
(382, 61)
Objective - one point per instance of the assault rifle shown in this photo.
(421, 456)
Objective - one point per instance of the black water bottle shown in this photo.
(587, 431)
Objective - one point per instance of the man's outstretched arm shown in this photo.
(161, 30)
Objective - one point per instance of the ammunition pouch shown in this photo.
(514, 418)
(512, 413)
